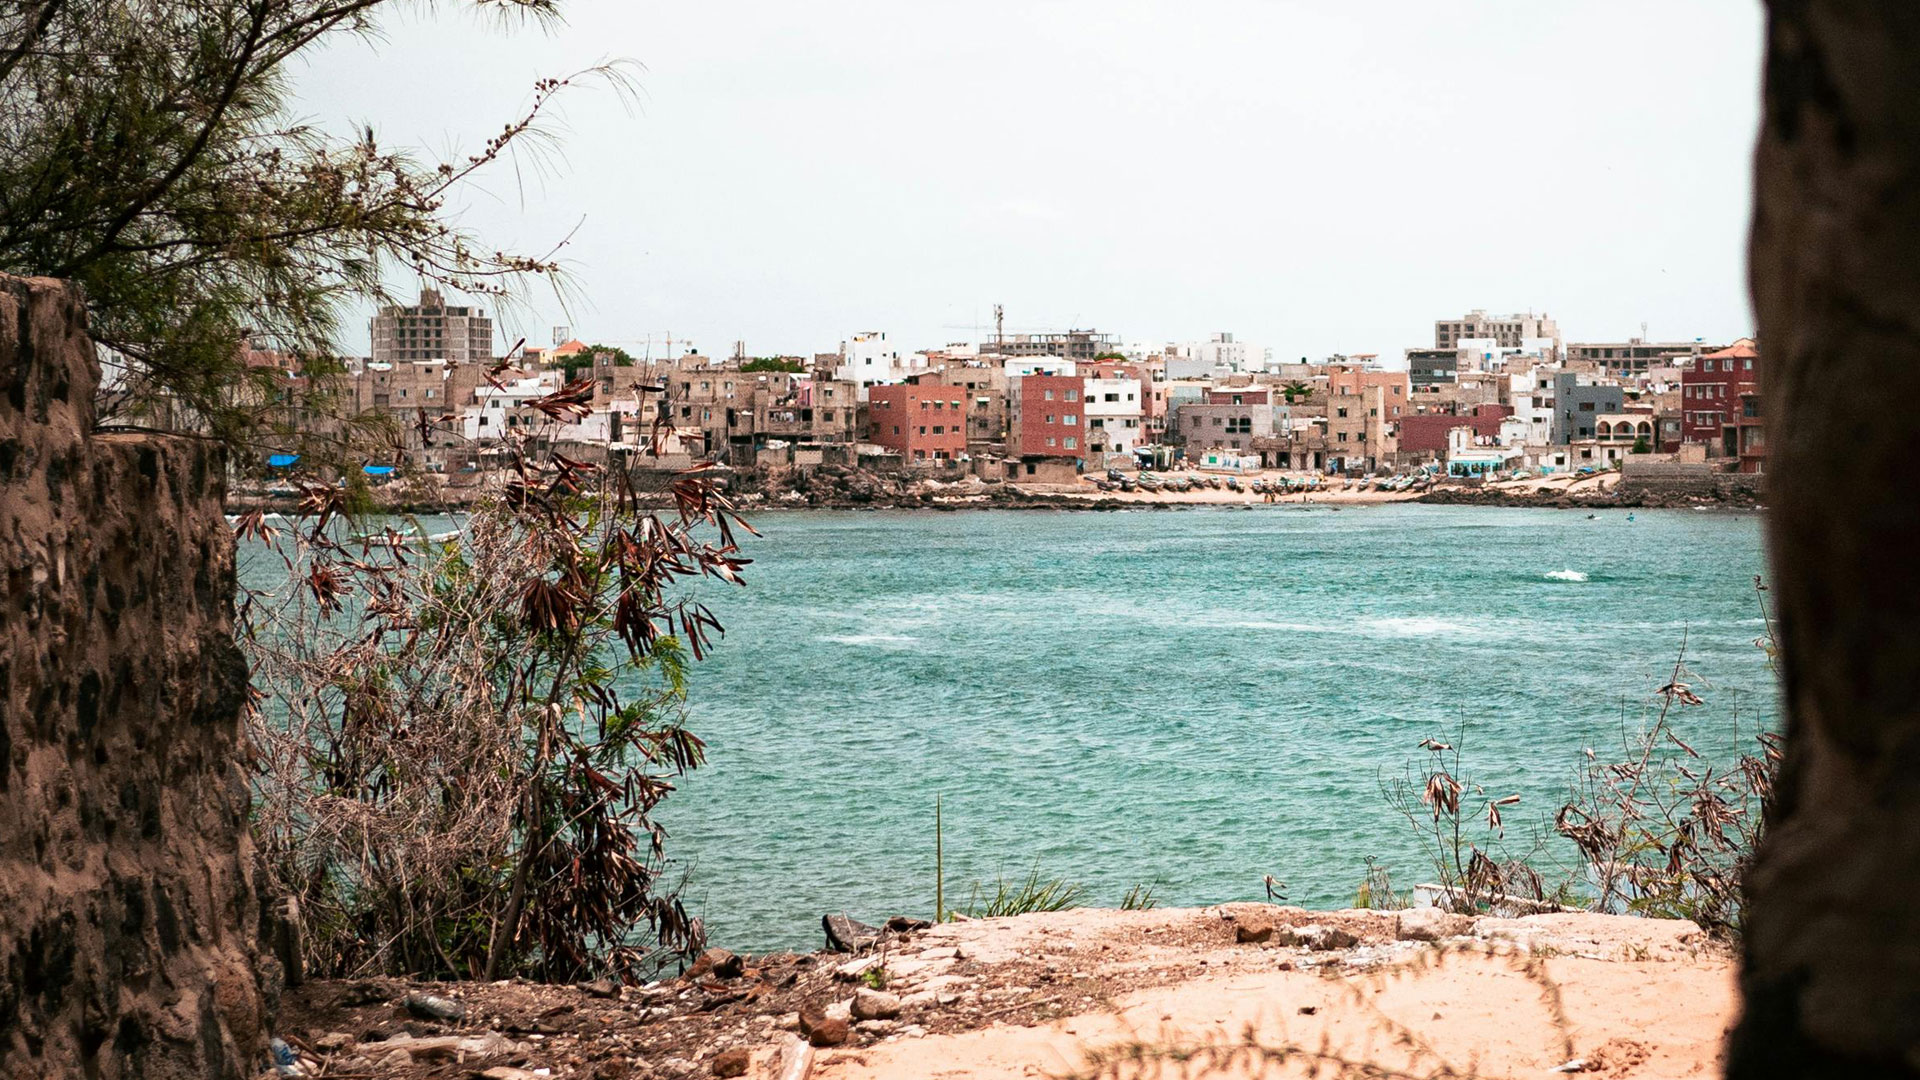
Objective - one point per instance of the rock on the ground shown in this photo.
(830, 1031)
(432, 1007)
(1430, 924)
(600, 988)
(732, 1062)
(395, 1059)
(507, 1072)
(333, 1042)
(718, 963)
(1324, 938)
(825, 1026)
(875, 1005)
(455, 1046)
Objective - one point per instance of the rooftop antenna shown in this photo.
(999, 324)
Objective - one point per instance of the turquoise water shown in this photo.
(1194, 699)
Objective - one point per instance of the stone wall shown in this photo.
(1685, 479)
(127, 911)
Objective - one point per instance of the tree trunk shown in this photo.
(1832, 972)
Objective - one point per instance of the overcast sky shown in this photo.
(1316, 176)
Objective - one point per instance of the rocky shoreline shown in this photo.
(1002, 997)
(868, 491)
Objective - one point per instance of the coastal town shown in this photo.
(1494, 399)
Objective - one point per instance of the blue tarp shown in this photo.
(376, 470)
(281, 461)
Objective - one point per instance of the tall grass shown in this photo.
(1023, 897)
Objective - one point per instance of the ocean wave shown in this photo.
(1565, 575)
(877, 641)
(1294, 627)
(1419, 626)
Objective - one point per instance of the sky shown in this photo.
(1316, 177)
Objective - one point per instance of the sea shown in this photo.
(1191, 700)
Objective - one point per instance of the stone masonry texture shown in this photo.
(128, 917)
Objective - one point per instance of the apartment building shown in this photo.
(432, 330)
(1633, 357)
(1710, 396)
(923, 422)
(1508, 331)
(1076, 345)
(1047, 416)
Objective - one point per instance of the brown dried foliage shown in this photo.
(461, 742)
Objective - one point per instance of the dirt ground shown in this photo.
(1092, 993)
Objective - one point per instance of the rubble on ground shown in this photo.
(910, 984)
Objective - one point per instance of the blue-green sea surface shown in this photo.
(1193, 699)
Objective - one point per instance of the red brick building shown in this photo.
(1750, 434)
(1426, 433)
(1710, 396)
(919, 421)
(1048, 416)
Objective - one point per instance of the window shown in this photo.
(1342, 413)
(1049, 418)
(1073, 395)
(1048, 395)
(1050, 441)
(1586, 406)
(1070, 418)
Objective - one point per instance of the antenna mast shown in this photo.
(999, 324)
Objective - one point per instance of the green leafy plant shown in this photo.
(1139, 898)
(1023, 897)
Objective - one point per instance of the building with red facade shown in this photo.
(1750, 434)
(1710, 395)
(1426, 433)
(1047, 416)
(922, 422)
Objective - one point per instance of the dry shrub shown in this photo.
(1665, 832)
(460, 741)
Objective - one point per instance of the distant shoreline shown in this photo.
(1006, 497)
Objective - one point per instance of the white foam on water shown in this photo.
(1418, 626)
(875, 641)
(1565, 575)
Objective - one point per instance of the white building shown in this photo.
(867, 360)
(501, 409)
(1530, 392)
(1218, 355)
(1017, 366)
(1114, 409)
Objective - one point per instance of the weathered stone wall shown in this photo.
(1653, 479)
(127, 913)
